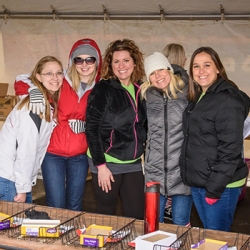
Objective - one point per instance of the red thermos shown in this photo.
(152, 205)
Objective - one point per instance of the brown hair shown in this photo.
(38, 70)
(135, 53)
(194, 89)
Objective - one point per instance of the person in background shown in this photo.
(211, 158)
(25, 136)
(65, 165)
(166, 99)
(176, 55)
(116, 131)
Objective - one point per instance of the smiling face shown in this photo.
(51, 76)
(160, 78)
(204, 70)
(85, 70)
(123, 66)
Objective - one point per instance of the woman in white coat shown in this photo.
(25, 136)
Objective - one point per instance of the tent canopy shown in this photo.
(126, 9)
(31, 29)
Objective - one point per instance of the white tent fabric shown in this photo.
(30, 30)
(24, 42)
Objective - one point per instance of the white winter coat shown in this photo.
(24, 138)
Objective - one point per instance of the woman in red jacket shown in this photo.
(65, 165)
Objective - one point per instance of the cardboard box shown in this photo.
(3, 89)
(209, 244)
(95, 236)
(6, 102)
(40, 228)
(148, 241)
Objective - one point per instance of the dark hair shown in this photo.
(135, 53)
(195, 89)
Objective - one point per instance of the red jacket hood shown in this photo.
(93, 44)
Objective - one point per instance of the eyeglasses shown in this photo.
(89, 60)
(50, 74)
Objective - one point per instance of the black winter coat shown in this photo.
(115, 124)
(211, 155)
(181, 72)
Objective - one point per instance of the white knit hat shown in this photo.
(155, 62)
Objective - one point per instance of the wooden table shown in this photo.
(188, 235)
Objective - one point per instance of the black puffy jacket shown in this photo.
(115, 124)
(211, 155)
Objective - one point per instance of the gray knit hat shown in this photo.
(155, 62)
(85, 49)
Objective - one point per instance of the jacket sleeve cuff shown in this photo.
(101, 165)
(212, 196)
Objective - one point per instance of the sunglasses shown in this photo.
(89, 60)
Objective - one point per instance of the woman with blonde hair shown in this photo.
(176, 55)
(166, 99)
(25, 136)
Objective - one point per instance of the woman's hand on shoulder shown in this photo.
(104, 178)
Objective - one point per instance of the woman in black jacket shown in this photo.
(211, 158)
(115, 129)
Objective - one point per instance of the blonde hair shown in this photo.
(175, 85)
(175, 53)
(38, 70)
(74, 76)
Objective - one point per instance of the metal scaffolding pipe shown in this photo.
(74, 16)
